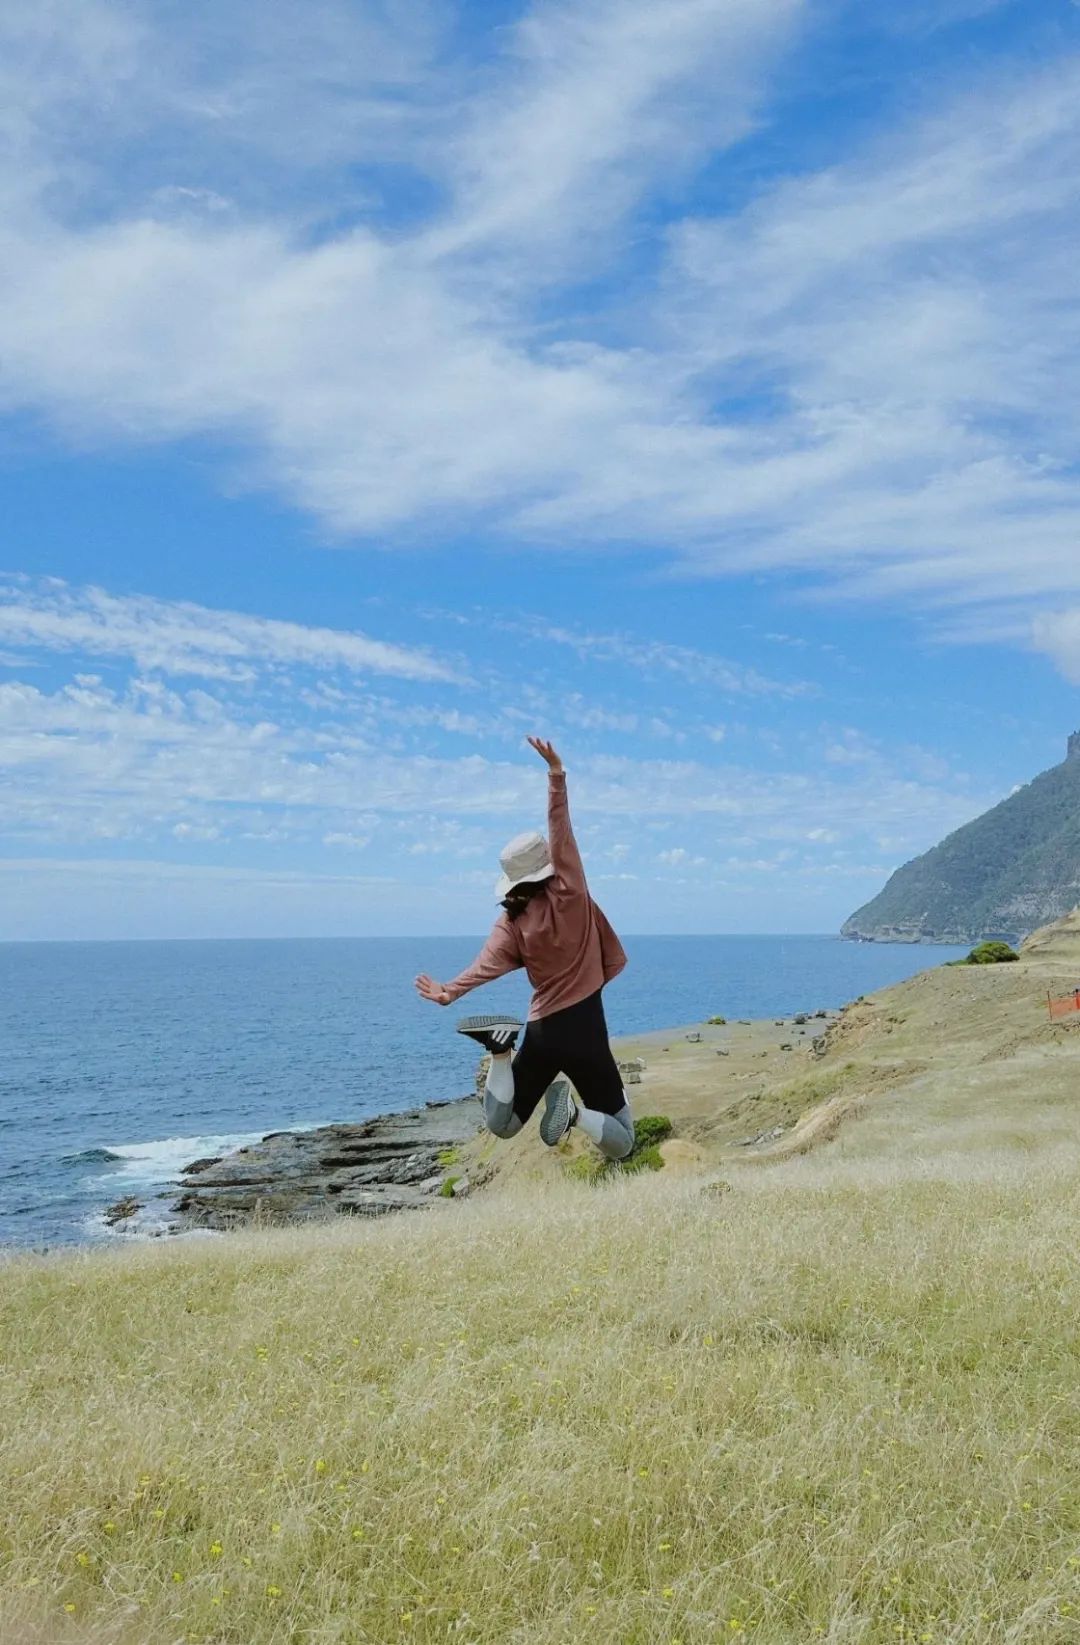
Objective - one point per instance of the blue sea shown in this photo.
(121, 1062)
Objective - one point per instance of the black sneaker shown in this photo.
(560, 1112)
(495, 1034)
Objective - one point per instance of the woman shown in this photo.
(551, 926)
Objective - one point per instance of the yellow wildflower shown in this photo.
(272, 1591)
(216, 1550)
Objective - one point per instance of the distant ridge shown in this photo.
(1015, 868)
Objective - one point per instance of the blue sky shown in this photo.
(693, 384)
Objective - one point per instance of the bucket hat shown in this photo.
(526, 858)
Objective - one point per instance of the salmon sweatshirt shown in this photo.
(562, 939)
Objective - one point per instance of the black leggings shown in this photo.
(573, 1042)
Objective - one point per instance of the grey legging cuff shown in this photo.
(613, 1134)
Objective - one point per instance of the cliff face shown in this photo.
(1013, 869)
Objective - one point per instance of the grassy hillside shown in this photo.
(836, 1401)
(1003, 874)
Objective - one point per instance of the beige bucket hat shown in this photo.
(526, 858)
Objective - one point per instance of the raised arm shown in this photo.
(499, 955)
(564, 849)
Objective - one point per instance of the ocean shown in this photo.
(120, 1062)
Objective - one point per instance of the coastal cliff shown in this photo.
(1015, 868)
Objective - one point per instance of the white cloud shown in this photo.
(903, 325)
(1058, 635)
(377, 378)
(182, 638)
(595, 104)
(656, 657)
(136, 763)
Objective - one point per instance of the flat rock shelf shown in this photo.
(394, 1162)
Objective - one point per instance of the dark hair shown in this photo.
(519, 897)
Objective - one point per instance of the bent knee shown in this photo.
(503, 1127)
(618, 1142)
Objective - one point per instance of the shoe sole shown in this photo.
(556, 1120)
(480, 1025)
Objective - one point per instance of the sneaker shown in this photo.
(496, 1034)
(560, 1112)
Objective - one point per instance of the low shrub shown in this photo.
(447, 1189)
(989, 953)
(716, 1022)
(649, 1130)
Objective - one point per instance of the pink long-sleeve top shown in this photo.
(563, 940)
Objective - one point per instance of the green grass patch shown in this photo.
(649, 1132)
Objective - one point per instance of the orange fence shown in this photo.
(1064, 1004)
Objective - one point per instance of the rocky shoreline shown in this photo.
(392, 1162)
(407, 1161)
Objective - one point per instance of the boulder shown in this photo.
(123, 1209)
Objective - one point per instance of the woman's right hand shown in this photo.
(546, 752)
(429, 989)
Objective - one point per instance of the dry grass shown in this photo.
(808, 1409)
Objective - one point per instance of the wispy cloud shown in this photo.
(146, 761)
(597, 104)
(864, 372)
(657, 657)
(182, 638)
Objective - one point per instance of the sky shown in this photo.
(382, 381)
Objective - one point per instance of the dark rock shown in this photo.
(123, 1209)
(388, 1163)
(201, 1164)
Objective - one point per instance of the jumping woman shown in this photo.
(551, 926)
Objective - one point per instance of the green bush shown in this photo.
(447, 1189)
(649, 1130)
(716, 1022)
(989, 953)
(449, 1156)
